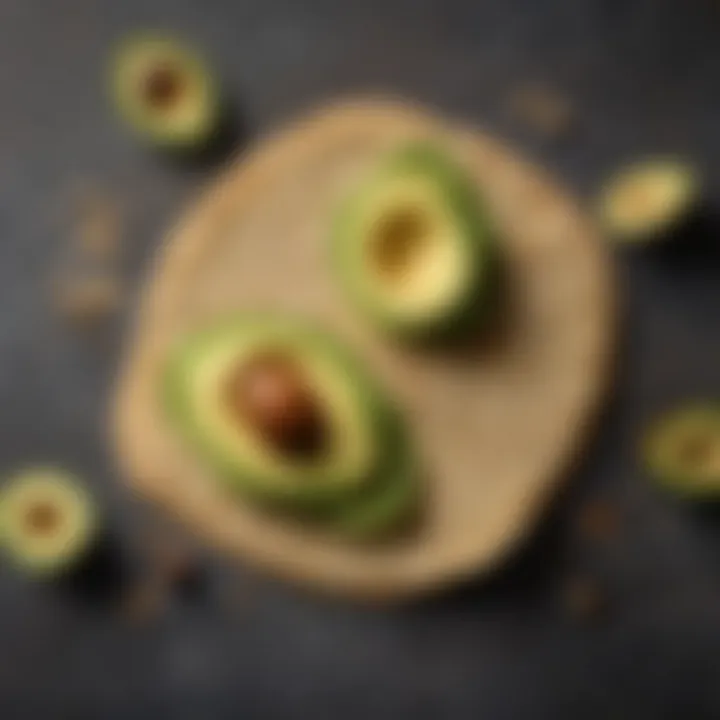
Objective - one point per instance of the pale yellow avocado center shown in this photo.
(412, 252)
(398, 243)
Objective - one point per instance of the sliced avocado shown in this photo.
(682, 450)
(165, 93)
(280, 411)
(648, 199)
(48, 523)
(414, 248)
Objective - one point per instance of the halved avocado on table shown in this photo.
(165, 92)
(647, 200)
(283, 414)
(681, 450)
(48, 523)
(415, 249)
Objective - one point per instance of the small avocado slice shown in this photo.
(48, 522)
(414, 248)
(681, 450)
(165, 93)
(279, 410)
(646, 200)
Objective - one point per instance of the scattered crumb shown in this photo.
(599, 520)
(583, 598)
(90, 220)
(235, 595)
(182, 570)
(91, 217)
(170, 567)
(543, 108)
(88, 300)
(87, 283)
(144, 601)
(98, 231)
(177, 565)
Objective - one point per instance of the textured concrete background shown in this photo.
(644, 77)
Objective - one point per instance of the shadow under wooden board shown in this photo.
(497, 428)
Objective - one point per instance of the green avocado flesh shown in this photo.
(391, 499)
(414, 248)
(682, 450)
(47, 521)
(164, 92)
(645, 200)
(357, 480)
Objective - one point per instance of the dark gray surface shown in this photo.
(643, 74)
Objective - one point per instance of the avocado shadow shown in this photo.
(522, 578)
(692, 246)
(231, 135)
(488, 336)
(100, 578)
(703, 511)
(687, 264)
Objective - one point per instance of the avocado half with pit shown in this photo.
(48, 523)
(648, 200)
(414, 248)
(681, 450)
(165, 92)
(284, 415)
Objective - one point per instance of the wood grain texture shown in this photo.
(497, 426)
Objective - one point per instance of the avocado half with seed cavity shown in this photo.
(414, 248)
(48, 523)
(681, 450)
(649, 199)
(165, 93)
(284, 415)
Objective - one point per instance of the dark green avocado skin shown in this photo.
(391, 501)
(479, 304)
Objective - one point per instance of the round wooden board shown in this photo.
(497, 426)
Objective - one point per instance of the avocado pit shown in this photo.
(699, 452)
(162, 87)
(271, 394)
(42, 519)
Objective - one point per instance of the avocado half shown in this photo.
(681, 450)
(48, 523)
(649, 199)
(356, 480)
(414, 248)
(165, 92)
